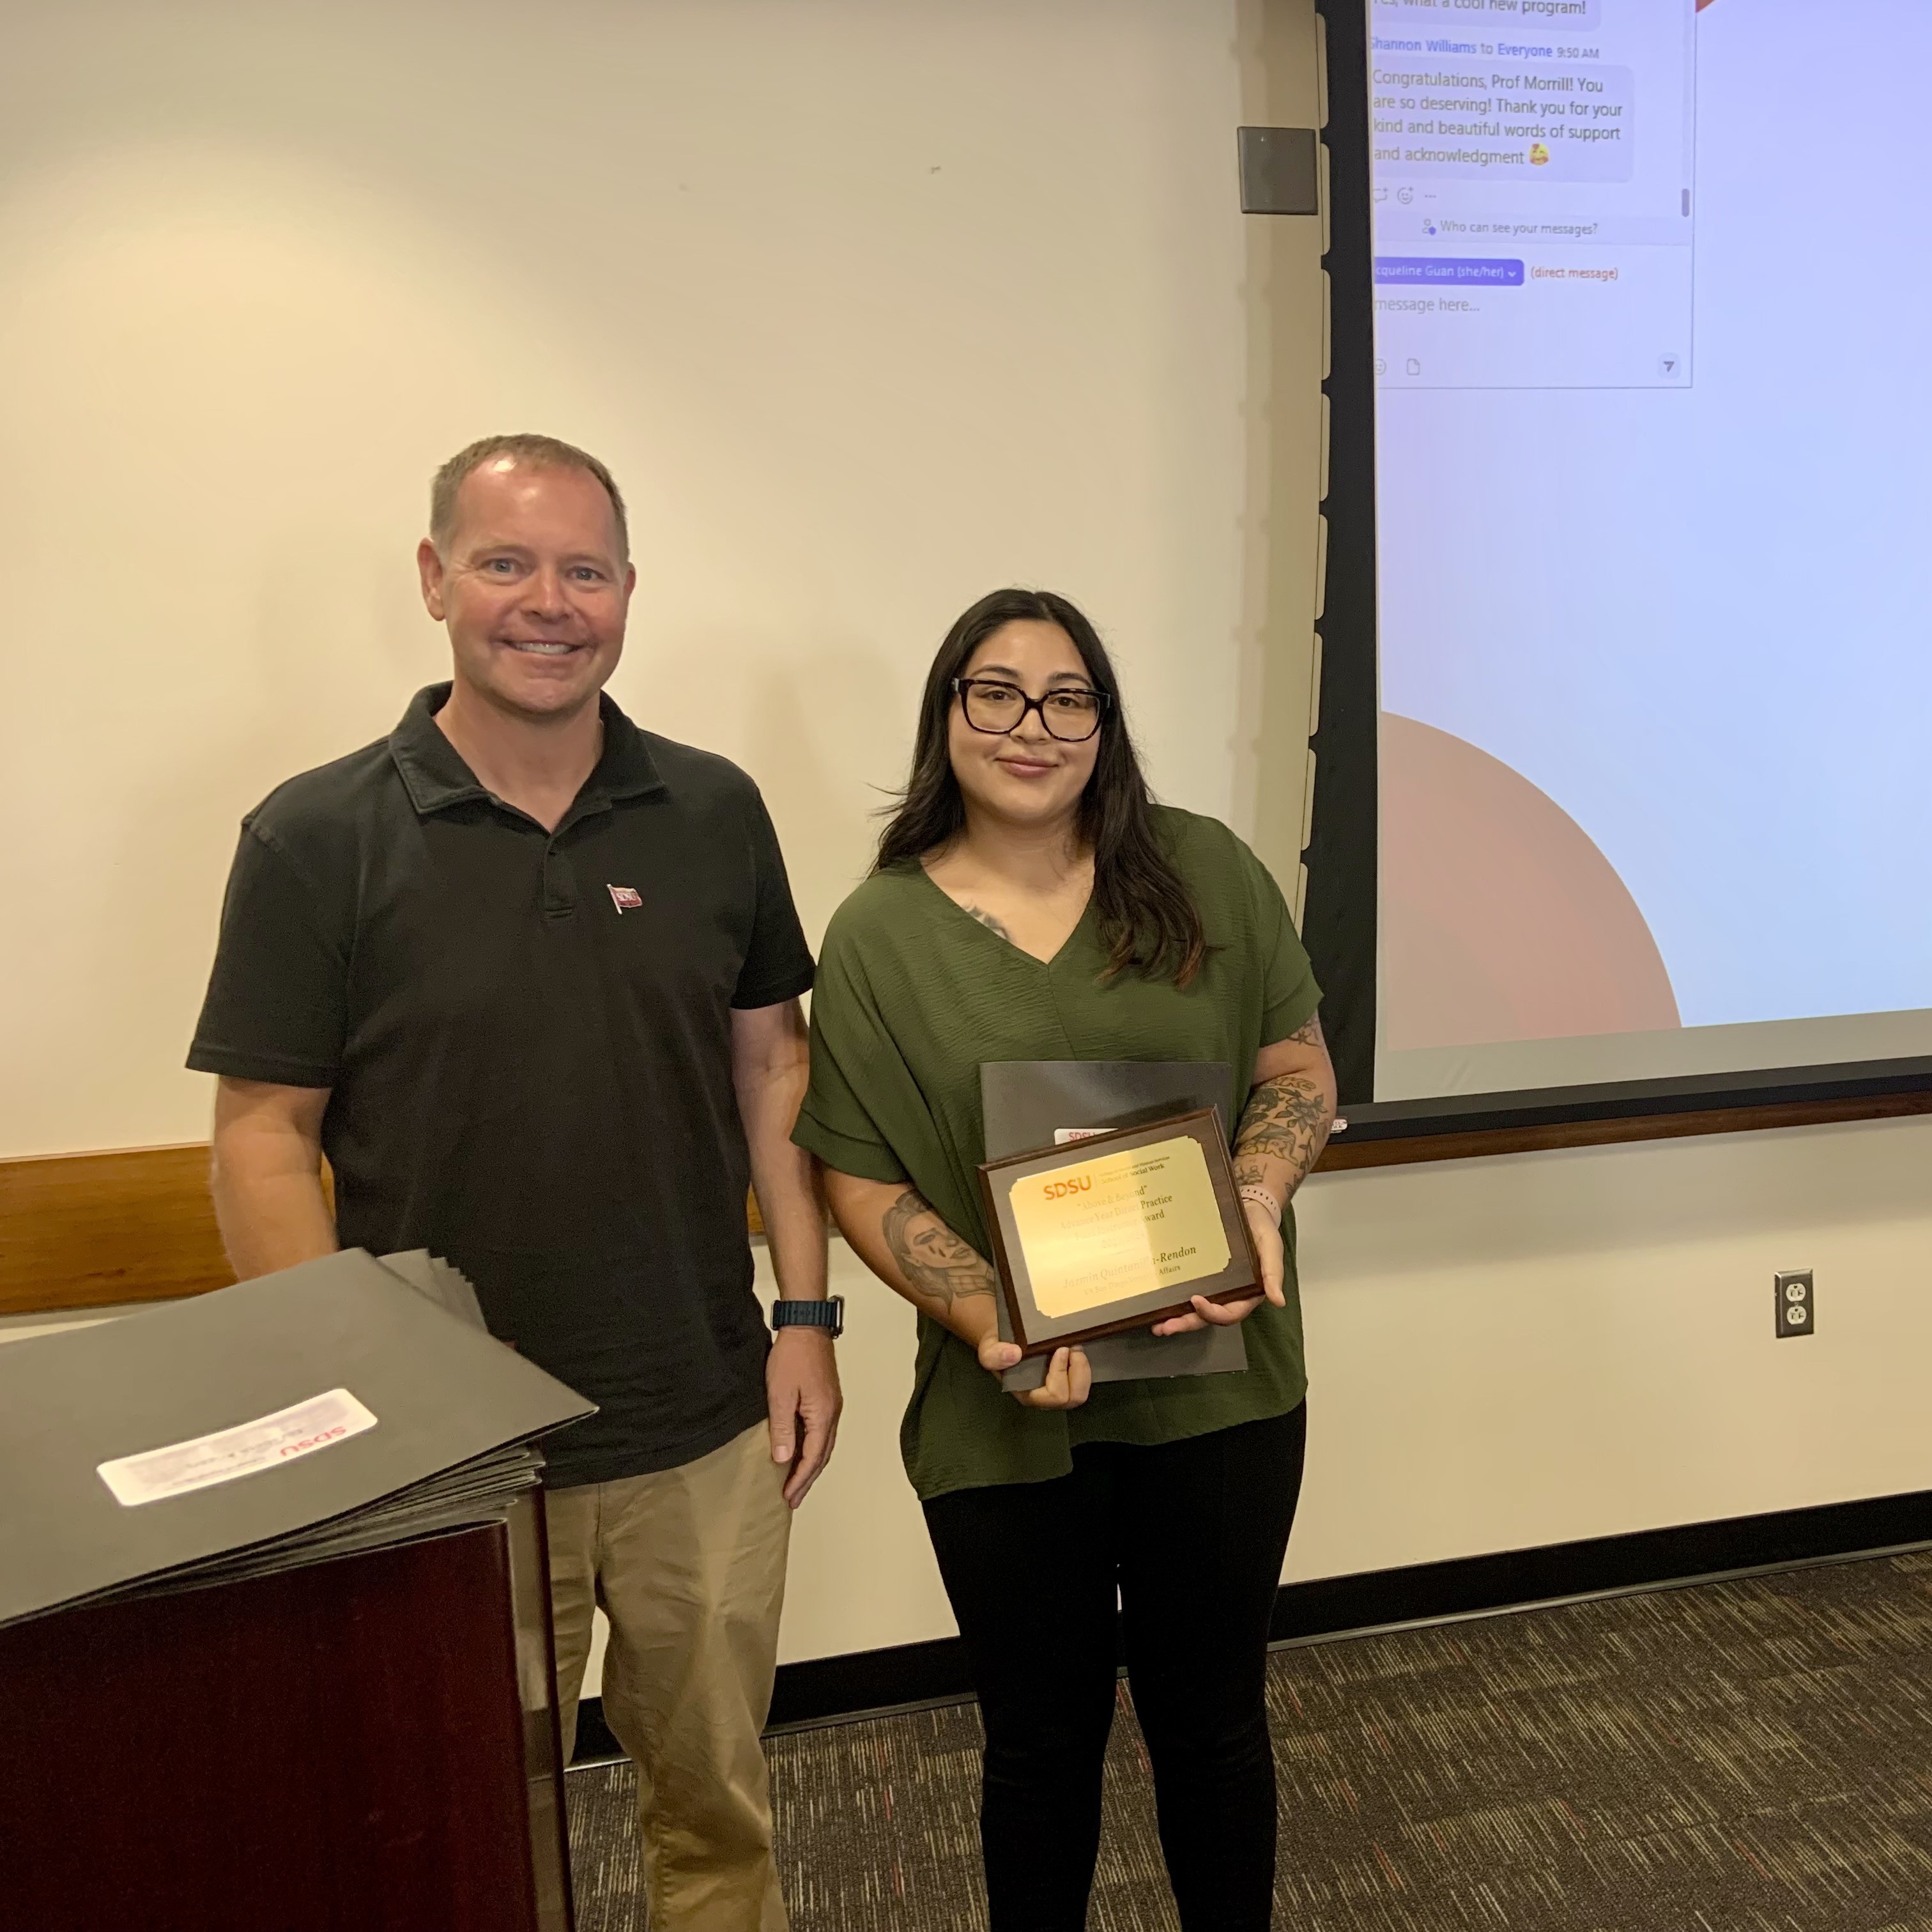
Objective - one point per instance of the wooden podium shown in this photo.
(368, 1745)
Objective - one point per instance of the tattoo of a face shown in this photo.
(987, 919)
(934, 1260)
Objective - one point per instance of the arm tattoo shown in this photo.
(936, 1264)
(986, 919)
(1287, 1119)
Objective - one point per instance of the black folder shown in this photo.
(1027, 1103)
(452, 1418)
(449, 1287)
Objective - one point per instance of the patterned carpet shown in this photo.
(1746, 1756)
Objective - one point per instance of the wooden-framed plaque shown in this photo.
(1117, 1231)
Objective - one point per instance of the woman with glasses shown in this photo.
(1030, 902)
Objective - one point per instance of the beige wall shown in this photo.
(872, 305)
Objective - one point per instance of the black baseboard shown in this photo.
(1644, 1559)
(833, 1689)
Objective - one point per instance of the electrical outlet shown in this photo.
(1797, 1302)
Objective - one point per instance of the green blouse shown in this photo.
(913, 993)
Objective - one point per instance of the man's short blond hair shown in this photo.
(546, 452)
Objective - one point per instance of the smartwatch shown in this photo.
(828, 1314)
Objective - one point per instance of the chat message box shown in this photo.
(1443, 16)
(1465, 120)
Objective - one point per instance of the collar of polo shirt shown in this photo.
(435, 776)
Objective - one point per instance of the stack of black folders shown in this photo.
(339, 1406)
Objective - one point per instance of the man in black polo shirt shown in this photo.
(529, 978)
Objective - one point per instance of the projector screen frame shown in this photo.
(1338, 924)
(1340, 904)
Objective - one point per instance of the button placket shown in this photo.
(559, 887)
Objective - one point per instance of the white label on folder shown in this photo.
(320, 1423)
(1061, 1136)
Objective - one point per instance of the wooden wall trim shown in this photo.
(96, 1230)
(103, 1230)
(135, 1224)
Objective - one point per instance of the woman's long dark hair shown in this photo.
(1149, 922)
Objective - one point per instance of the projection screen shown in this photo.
(1653, 404)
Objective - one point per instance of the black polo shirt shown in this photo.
(527, 1038)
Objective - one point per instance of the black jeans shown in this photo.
(1192, 1535)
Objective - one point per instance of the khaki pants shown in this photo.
(688, 1565)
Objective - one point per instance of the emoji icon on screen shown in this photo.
(1539, 155)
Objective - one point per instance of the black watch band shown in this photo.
(829, 1314)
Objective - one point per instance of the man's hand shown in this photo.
(770, 1069)
(802, 1395)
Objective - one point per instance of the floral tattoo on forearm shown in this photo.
(1286, 1119)
(938, 1266)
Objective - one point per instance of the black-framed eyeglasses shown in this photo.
(1071, 712)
